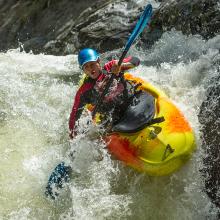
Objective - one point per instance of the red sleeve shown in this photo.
(109, 65)
(78, 105)
(133, 60)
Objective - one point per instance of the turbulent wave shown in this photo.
(36, 95)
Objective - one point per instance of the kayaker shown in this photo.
(94, 83)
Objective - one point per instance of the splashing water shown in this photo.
(36, 95)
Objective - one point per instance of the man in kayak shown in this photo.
(115, 101)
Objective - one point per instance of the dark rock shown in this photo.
(104, 27)
(209, 118)
(34, 44)
(63, 27)
(107, 26)
(191, 17)
(21, 21)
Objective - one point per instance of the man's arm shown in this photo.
(78, 106)
(128, 63)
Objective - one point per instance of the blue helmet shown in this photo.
(86, 55)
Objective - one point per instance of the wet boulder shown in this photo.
(105, 26)
(209, 118)
(190, 17)
(64, 27)
(34, 23)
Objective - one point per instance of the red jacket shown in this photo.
(87, 94)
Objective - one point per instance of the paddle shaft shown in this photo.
(135, 33)
(96, 108)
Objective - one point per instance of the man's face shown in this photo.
(92, 69)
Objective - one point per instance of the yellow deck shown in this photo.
(159, 149)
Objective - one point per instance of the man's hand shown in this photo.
(72, 134)
(116, 69)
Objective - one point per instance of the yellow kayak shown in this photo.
(159, 148)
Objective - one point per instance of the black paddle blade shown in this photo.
(58, 178)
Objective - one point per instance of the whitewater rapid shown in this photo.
(36, 97)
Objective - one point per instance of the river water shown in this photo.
(36, 96)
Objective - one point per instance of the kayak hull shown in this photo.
(159, 149)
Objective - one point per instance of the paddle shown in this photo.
(61, 173)
(58, 178)
(141, 24)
